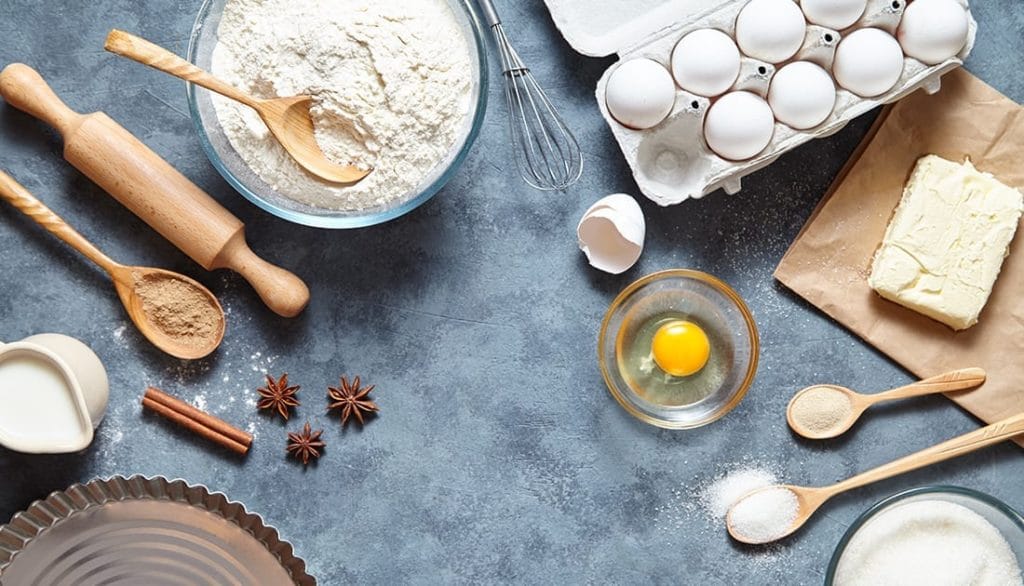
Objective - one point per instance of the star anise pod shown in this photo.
(305, 445)
(278, 396)
(352, 399)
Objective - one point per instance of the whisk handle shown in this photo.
(490, 13)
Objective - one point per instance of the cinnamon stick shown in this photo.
(196, 421)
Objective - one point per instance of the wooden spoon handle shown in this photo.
(19, 197)
(145, 52)
(23, 87)
(975, 440)
(957, 380)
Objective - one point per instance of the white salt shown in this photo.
(928, 543)
(765, 515)
(722, 494)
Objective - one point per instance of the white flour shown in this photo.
(391, 81)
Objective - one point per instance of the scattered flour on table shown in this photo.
(928, 543)
(120, 331)
(199, 402)
(108, 443)
(391, 82)
(214, 392)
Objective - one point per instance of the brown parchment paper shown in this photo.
(830, 260)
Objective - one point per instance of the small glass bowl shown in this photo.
(1009, 522)
(236, 172)
(712, 304)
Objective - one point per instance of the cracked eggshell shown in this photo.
(611, 233)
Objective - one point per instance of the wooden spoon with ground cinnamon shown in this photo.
(174, 312)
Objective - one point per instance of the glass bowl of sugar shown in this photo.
(932, 535)
(399, 87)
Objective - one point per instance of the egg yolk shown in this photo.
(681, 348)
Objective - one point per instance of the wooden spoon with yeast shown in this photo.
(956, 380)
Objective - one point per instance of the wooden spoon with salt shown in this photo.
(809, 499)
(287, 118)
(189, 325)
(846, 416)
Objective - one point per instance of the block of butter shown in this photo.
(947, 241)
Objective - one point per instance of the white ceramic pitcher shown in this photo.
(53, 394)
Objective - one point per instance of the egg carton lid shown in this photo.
(618, 24)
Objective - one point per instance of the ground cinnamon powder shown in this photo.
(179, 309)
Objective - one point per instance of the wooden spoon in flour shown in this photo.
(174, 312)
(287, 118)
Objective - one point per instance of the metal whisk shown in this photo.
(547, 153)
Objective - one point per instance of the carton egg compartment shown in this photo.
(672, 160)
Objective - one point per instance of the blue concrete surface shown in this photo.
(498, 455)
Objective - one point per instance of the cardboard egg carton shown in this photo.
(672, 162)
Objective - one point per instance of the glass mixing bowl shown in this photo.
(250, 185)
(1008, 521)
(687, 402)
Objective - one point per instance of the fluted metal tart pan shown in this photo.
(143, 530)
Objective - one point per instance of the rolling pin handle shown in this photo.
(283, 292)
(23, 87)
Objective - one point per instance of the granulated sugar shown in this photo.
(695, 509)
(765, 515)
(928, 543)
(723, 493)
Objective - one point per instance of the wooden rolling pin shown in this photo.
(154, 190)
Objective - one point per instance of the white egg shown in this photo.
(933, 30)
(739, 125)
(640, 93)
(611, 233)
(868, 62)
(770, 30)
(802, 95)
(836, 14)
(706, 62)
